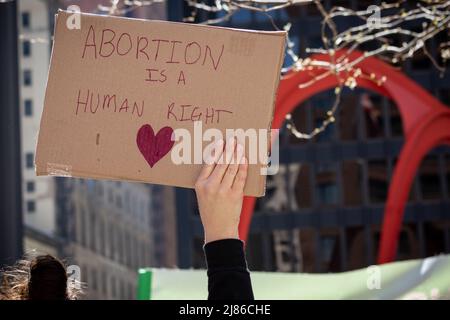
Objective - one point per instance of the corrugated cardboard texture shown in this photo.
(115, 75)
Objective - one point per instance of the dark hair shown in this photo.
(41, 278)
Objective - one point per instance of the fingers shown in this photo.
(227, 168)
(233, 167)
(241, 176)
(211, 161)
(225, 159)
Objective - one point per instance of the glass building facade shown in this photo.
(323, 211)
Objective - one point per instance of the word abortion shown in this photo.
(106, 43)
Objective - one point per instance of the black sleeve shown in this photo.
(228, 275)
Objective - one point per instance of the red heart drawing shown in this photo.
(152, 147)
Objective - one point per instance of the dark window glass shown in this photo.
(447, 172)
(30, 186)
(378, 180)
(328, 245)
(303, 187)
(420, 61)
(430, 184)
(31, 206)
(373, 115)
(29, 160)
(352, 176)
(25, 19)
(408, 243)
(348, 118)
(255, 253)
(28, 106)
(326, 188)
(27, 79)
(26, 48)
(444, 95)
(395, 120)
(435, 237)
(83, 227)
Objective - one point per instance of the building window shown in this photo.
(93, 225)
(31, 206)
(90, 186)
(326, 188)
(302, 188)
(100, 188)
(29, 160)
(83, 274)
(348, 118)
(352, 177)
(119, 201)
(26, 48)
(430, 184)
(102, 236)
(27, 77)
(378, 180)
(28, 106)
(83, 227)
(94, 280)
(25, 19)
(104, 283)
(113, 287)
(373, 115)
(30, 186)
(110, 196)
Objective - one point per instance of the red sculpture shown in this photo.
(426, 124)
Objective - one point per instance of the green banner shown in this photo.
(413, 279)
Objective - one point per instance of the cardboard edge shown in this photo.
(274, 100)
(37, 152)
(196, 25)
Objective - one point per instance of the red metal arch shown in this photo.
(426, 124)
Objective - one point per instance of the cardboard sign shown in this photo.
(119, 88)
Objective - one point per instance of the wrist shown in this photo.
(214, 236)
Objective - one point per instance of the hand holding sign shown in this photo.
(220, 191)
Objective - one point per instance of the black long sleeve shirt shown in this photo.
(228, 274)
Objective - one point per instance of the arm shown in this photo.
(220, 192)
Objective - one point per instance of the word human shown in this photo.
(107, 43)
(89, 101)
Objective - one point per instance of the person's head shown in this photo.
(42, 278)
